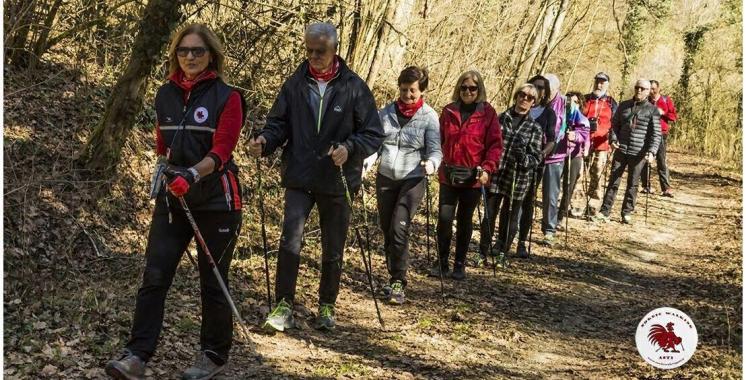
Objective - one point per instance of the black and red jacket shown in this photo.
(196, 119)
(475, 142)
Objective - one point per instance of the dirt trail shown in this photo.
(567, 313)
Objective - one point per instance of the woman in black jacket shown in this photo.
(199, 121)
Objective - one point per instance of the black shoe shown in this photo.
(127, 367)
(459, 273)
(521, 251)
(437, 269)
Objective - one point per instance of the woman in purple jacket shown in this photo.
(577, 137)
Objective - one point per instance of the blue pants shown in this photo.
(550, 196)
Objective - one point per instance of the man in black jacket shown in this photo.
(635, 134)
(328, 118)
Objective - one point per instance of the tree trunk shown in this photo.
(554, 34)
(103, 149)
(383, 30)
(18, 19)
(41, 46)
(692, 44)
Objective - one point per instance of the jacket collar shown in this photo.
(453, 108)
(187, 85)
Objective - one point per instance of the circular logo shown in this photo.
(666, 338)
(200, 114)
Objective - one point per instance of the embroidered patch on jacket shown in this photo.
(200, 114)
(337, 109)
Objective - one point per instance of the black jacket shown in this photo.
(348, 116)
(636, 127)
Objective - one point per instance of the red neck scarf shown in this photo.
(327, 76)
(186, 84)
(408, 110)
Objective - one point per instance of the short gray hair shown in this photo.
(322, 30)
(643, 82)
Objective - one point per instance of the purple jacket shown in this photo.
(579, 123)
(560, 151)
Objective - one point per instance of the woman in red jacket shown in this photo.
(199, 121)
(472, 143)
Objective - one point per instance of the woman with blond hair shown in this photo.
(471, 141)
(199, 118)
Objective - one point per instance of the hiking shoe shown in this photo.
(521, 251)
(647, 191)
(548, 239)
(560, 225)
(627, 219)
(435, 271)
(203, 368)
(481, 261)
(600, 218)
(280, 318)
(325, 319)
(502, 260)
(668, 193)
(397, 293)
(459, 273)
(128, 367)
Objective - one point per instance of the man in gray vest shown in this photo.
(635, 134)
(326, 118)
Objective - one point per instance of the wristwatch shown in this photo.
(195, 174)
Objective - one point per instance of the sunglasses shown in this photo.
(196, 51)
(464, 88)
(525, 95)
(310, 51)
(641, 88)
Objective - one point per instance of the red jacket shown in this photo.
(602, 109)
(476, 142)
(669, 111)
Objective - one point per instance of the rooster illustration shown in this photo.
(665, 337)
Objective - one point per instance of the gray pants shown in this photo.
(550, 196)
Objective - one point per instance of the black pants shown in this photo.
(526, 210)
(451, 198)
(166, 244)
(487, 225)
(660, 162)
(576, 165)
(397, 203)
(619, 164)
(334, 216)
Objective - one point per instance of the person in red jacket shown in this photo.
(471, 139)
(199, 120)
(598, 107)
(667, 110)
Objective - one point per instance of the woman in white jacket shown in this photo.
(410, 152)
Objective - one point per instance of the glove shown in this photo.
(180, 179)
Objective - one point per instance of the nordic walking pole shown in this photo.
(647, 193)
(264, 233)
(487, 217)
(260, 188)
(503, 260)
(366, 262)
(369, 274)
(211, 262)
(568, 196)
(535, 195)
(437, 249)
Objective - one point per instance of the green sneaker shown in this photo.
(548, 239)
(325, 320)
(600, 218)
(502, 260)
(280, 318)
(397, 293)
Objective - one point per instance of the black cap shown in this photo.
(602, 75)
